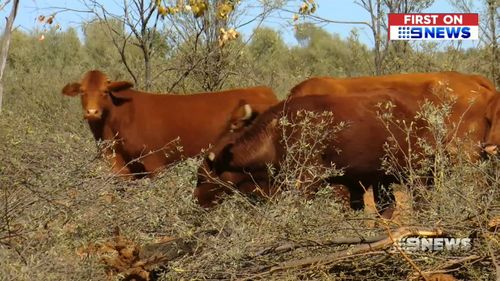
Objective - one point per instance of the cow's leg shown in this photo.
(152, 164)
(118, 163)
(356, 196)
(356, 191)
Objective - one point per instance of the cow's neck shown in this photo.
(121, 117)
(101, 128)
(97, 128)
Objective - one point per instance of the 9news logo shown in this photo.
(433, 26)
(416, 244)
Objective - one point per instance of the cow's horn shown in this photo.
(248, 111)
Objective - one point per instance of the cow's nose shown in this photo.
(92, 114)
(92, 111)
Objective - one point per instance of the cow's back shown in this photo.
(151, 122)
(470, 94)
(414, 84)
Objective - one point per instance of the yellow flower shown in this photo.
(162, 10)
(224, 10)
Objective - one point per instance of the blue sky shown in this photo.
(332, 9)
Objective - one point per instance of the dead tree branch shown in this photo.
(363, 249)
(6, 44)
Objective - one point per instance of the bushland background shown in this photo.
(63, 216)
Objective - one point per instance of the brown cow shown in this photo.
(417, 87)
(142, 127)
(361, 144)
(242, 158)
(413, 83)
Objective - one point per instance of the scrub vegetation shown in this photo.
(64, 216)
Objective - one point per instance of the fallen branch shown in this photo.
(284, 247)
(364, 249)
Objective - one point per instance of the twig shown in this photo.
(449, 266)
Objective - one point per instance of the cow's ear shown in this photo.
(117, 101)
(71, 89)
(116, 86)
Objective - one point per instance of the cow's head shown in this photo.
(492, 141)
(96, 92)
(214, 175)
(241, 118)
(253, 136)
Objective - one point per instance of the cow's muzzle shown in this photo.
(92, 114)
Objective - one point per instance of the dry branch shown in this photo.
(6, 44)
(370, 248)
(288, 246)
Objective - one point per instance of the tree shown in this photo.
(206, 48)
(6, 42)
(321, 53)
(266, 57)
(359, 56)
(196, 30)
(141, 20)
(99, 45)
(378, 9)
(200, 44)
(488, 26)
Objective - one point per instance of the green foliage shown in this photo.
(98, 44)
(58, 50)
(36, 69)
(267, 56)
(320, 53)
(358, 57)
(305, 137)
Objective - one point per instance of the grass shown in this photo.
(61, 212)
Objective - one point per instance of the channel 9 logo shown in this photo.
(415, 244)
(433, 26)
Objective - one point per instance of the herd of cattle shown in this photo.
(240, 130)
